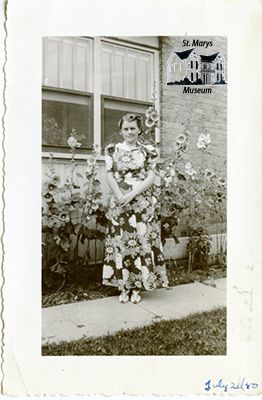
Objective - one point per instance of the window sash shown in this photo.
(117, 103)
(121, 65)
(68, 63)
(70, 97)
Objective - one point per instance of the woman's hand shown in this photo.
(127, 198)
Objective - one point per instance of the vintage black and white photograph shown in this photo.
(131, 203)
(134, 144)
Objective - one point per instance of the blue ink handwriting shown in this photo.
(243, 385)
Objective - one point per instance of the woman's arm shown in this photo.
(143, 185)
(113, 185)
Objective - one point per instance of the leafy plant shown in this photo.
(192, 195)
(71, 213)
(199, 246)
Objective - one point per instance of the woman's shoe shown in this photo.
(166, 286)
(124, 298)
(135, 298)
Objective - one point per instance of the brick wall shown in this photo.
(178, 109)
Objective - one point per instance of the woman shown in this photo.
(133, 251)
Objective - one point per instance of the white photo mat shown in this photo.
(25, 371)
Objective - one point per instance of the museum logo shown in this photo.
(188, 68)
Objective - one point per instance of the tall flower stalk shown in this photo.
(191, 196)
(67, 209)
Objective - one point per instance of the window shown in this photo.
(76, 97)
(68, 63)
(192, 64)
(196, 64)
(113, 110)
(192, 77)
(66, 96)
(62, 112)
(126, 72)
(217, 77)
(126, 75)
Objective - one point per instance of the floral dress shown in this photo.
(133, 249)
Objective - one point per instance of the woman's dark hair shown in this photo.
(129, 117)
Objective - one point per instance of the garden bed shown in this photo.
(85, 289)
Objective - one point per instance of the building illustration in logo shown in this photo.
(188, 68)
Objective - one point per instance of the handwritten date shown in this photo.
(244, 385)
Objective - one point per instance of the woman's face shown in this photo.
(130, 132)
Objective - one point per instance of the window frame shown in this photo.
(97, 97)
(61, 148)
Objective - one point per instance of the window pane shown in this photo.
(145, 78)
(106, 69)
(113, 111)
(131, 75)
(60, 117)
(83, 65)
(127, 72)
(68, 63)
(119, 74)
(50, 62)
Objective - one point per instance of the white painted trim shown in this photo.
(126, 44)
(97, 91)
(74, 50)
(67, 156)
(138, 73)
(148, 41)
(179, 250)
(43, 60)
(156, 77)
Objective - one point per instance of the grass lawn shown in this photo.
(197, 334)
